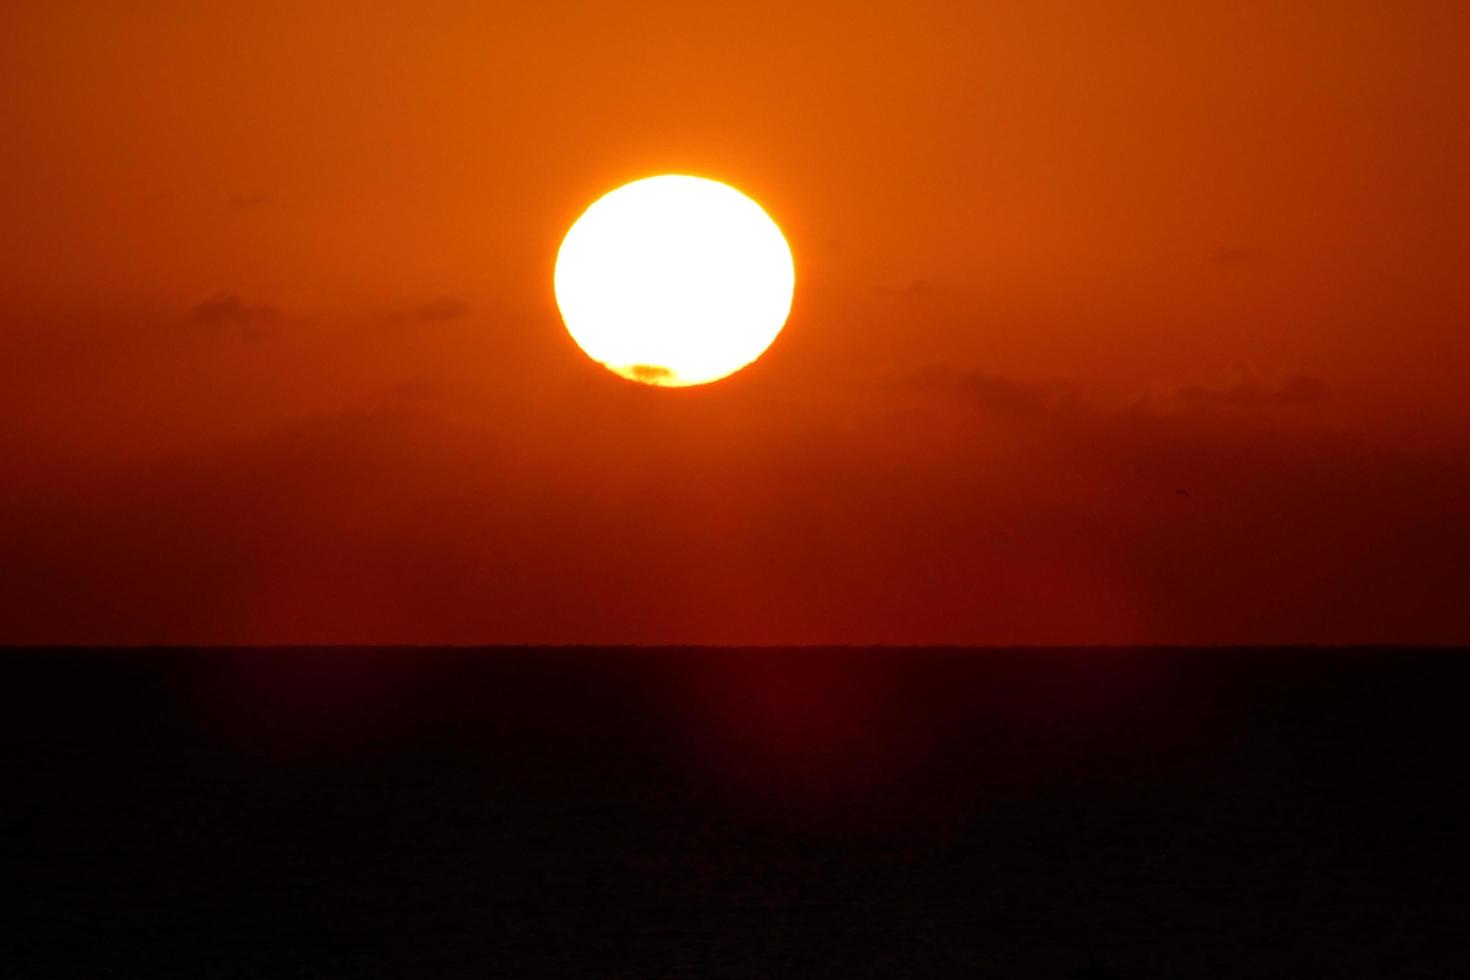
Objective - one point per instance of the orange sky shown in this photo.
(280, 361)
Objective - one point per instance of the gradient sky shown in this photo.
(280, 360)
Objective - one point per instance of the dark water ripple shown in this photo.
(735, 813)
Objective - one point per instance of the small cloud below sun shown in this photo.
(649, 374)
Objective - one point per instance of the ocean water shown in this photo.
(1081, 813)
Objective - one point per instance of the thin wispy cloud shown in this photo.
(252, 201)
(997, 394)
(1295, 391)
(229, 309)
(1231, 257)
(435, 311)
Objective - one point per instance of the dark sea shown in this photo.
(648, 813)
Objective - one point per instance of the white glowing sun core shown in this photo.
(674, 280)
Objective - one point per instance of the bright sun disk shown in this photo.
(674, 280)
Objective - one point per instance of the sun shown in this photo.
(674, 280)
